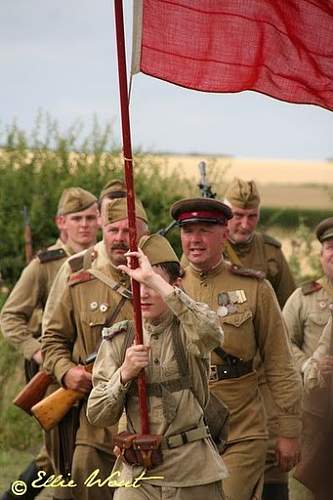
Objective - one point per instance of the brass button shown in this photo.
(156, 361)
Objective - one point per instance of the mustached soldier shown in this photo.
(77, 310)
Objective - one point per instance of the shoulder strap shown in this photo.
(117, 287)
(50, 255)
(232, 255)
(128, 340)
(311, 287)
(245, 271)
(180, 354)
(270, 240)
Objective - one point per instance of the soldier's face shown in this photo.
(152, 304)
(116, 239)
(326, 258)
(80, 228)
(243, 223)
(203, 243)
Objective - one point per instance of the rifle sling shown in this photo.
(233, 257)
(116, 287)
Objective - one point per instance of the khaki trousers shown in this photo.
(245, 461)
(310, 435)
(85, 461)
(211, 491)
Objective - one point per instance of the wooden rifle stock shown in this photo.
(33, 392)
(52, 409)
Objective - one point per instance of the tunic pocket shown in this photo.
(239, 336)
(94, 318)
(237, 319)
(319, 319)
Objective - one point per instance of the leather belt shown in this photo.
(185, 437)
(226, 371)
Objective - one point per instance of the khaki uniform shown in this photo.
(74, 317)
(263, 253)
(252, 325)
(188, 470)
(28, 296)
(30, 292)
(306, 313)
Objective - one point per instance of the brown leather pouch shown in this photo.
(139, 449)
(148, 450)
(124, 441)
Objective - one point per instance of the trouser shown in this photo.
(310, 434)
(275, 481)
(245, 461)
(146, 491)
(86, 460)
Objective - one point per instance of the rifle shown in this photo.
(27, 236)
(33, 392)
(316, 469)
(52, 409)
(205, 190)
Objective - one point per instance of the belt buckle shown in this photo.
(213, 376)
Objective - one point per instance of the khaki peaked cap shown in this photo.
(75, 199)
(114, 189)
(242, 194)
(157, 249)
(324, 230)
(116, 210)
(200, 210)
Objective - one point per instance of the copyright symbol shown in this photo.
(19, 488)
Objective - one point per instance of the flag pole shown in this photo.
(128, 167)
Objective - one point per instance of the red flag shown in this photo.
(283, 48)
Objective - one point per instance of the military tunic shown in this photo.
(306, 313)
(263, 253)
(75, 314)
(25, 305)
(195, 463)
(253, 326)
(31, 292)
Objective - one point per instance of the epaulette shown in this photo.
(82, 260)
(80, 277)
(246, 271)
(109, 332)
(271, 241)
(311, 287)
(50, 255)
(76, 262)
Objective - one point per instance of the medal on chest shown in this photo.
(228, 302)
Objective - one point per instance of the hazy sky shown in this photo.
(59, 56)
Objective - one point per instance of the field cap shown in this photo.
(116, 210)
(114, 189)
(324, 230)
(157, 249)
(75, 199)
(200, 210)
(242, 194)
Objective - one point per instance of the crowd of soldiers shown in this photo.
(227, 324)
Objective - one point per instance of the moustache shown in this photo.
(120, 246)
